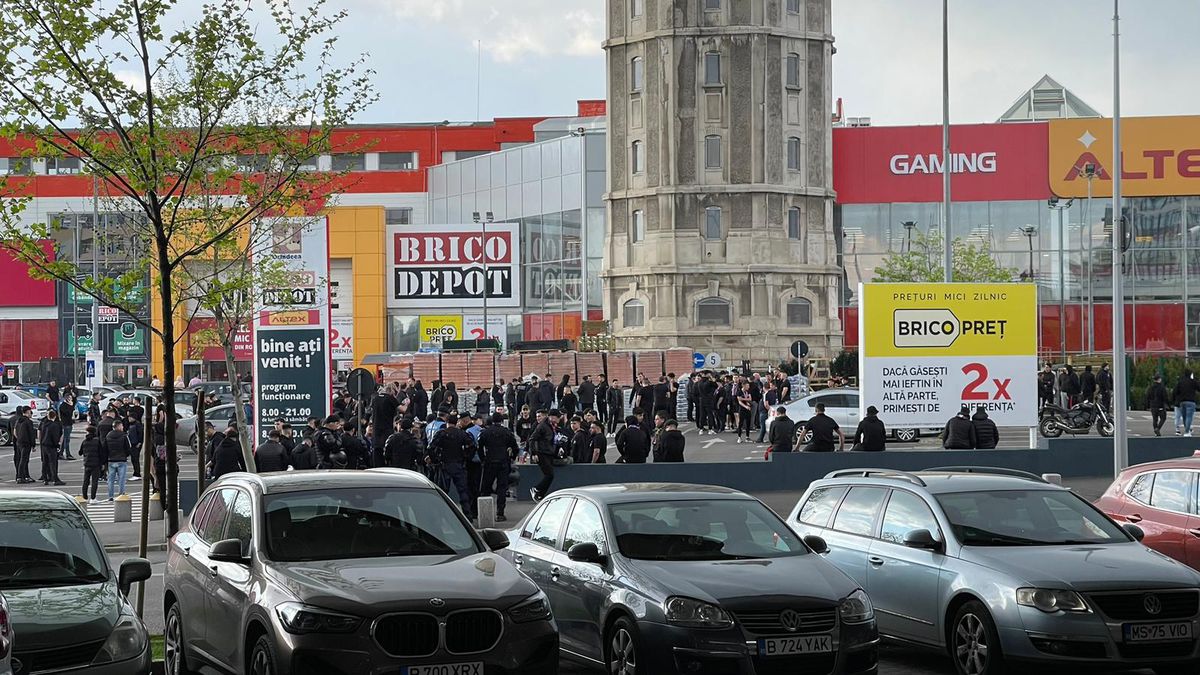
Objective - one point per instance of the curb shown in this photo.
(122, 548)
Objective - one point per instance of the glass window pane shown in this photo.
(586, 526)
(793, 6)
(636, 74)
(635, 7)
(712, 152)
(793, 153)
(349, 162)
(551, 522)
(399, 161)
(712, 4)
(820, 504)
(712, 222)
(1170, 491)
(401, 216)
(794, 223)
(635, 156)
(712, 68)
(214, 520)
(858, 510)
(240, 523)
(637, 227)
(906, 512)
(634, 314)
(1140, 490)
(713, 312)
(793, 70)
(799, 312)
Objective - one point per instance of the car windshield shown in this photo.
(48, 547)
(1027, 518)
(348, 523)
(720, 529)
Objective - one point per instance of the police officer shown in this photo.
(402, 448)
(498, 448)
(452, 446)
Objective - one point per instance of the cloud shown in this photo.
(513, 30)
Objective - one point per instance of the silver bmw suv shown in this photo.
(996, 566)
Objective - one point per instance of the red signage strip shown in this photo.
(989, 162)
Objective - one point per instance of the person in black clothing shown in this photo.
(541, 446)
(587, 393)
(708, 404)
(497, 449)
(568, 403)
(598, 443)
(662, 397)
(271, 456)
(1185, 402)
(783, 431)
(228, 456)
(137, 437)
(602, 397)
(420, 399)
(1156, 401)
(402, 449)
(632, 442)
(89, 452)
(357, 456)
(483, 402)
(66, 417)
(1073, 388)
(871, 434)
(959, 433)
(450, 397)
(546, 393)
(646, 398)
(823, 428)
(1104, 385)
(581, 451)
(159, 440)
(453, 447)
(671, 443)
(510, 403)
(615, 405)
(327, 443)
(304, 455)
(561, 388)
(285, 436)
(724, 401)
(437, 396)
(987, 436)
(524, 425)
(24, 438)
(51, 433)
(383, 410)
(1087, 384)
(1045, 386)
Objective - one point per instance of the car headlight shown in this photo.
(126, 641)
(534, 608)
(695, 613)
(299, 619)
(857, 608)
(1050, 600)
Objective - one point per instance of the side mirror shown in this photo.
(922, 539)
(495, 539)
(132, 571)
(817, 544)
(1134, 531)
(228, 550)
(585, 552)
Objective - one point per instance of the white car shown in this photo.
(6, 639)
(842, 406)
(11, 399)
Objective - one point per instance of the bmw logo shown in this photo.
(437, 602)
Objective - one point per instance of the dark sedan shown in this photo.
(658, 578)
(347, 573)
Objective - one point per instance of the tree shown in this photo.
(922, 262)
(198, 119)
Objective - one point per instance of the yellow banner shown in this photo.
(1160, 156)
(948, 320)
(441, 327)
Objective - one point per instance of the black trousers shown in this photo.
(1159, 416)
(616, 415)
(691, 413)
(135, 460)
(21, 459)
(91, 478)
(458, 478)
(474, 479)
(546, 464)
(50, 464)
(495, 482)
(743, 419)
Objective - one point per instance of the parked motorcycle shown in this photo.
(1054, 421)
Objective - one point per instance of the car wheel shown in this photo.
(907, 435)
(174, 652)
(5, 436)
(194, 445)
(262, 659)
(623, 648)
(974, 642)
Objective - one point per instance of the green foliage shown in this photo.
(845, 365)
(1143, 370)
(789, 367)
(923, 263)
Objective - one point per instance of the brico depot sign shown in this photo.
(882, 165)
(929, 349)
(1160, 157)
(443, 266)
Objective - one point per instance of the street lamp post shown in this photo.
(909, 226)
(1120, 439)
(948, 242)
(487, 283)
(1029, 231)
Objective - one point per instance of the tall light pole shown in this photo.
(1120, 439)
(947, 240)
(487, 283)
(1029, 231)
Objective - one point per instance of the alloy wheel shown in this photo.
(5, 436)
(172, 644)
(970, 645)
(623, 660)
(906, 435)
(260, 661)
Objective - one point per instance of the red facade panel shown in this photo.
(563, 363)
(650, 364)
(28, 340)
(19, 289)
(678, 361)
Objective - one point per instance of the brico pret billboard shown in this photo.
(929, 349)
(443, 266)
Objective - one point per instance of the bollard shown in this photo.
(122, 509)
(486, 507)
(156, 509)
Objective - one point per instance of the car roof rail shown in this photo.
(992, 470)
(881, 473)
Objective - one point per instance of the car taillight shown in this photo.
(33, 405)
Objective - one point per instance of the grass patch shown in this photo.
(156, 647)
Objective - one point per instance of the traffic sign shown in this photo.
(698, 360)
(361, 383)
(799, 349)
(714, 360)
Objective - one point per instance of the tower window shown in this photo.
(793, 153)
(636, 74)
(636, 161)
(712, 68)
(793, 71)
(712, 152)
(712, 222)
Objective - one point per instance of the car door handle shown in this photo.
(554, 573)
(518, 560)
(1134, 518)
(212, 571)
(875, 560)
(1195, 532)
(187, 552)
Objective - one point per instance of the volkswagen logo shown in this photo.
(790, 620)
(437, 602)
(1152, 604)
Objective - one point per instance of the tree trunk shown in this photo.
(239, 407)
(170, 490)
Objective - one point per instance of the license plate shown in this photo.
(1158, 632)
(787, 646)
(475, 668)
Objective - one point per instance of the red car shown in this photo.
(1161, 498)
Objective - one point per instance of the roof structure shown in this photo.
(1045, 100)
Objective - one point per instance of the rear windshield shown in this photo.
(364, 523)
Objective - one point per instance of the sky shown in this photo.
(537, 57)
